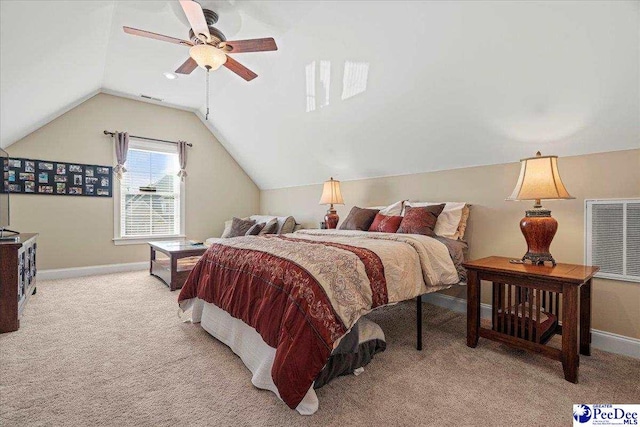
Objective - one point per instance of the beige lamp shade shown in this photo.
(331, 194)
(539, 179)
(207, 56)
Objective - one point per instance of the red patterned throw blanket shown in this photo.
(303, 292)
(300, 305)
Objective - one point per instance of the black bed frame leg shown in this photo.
(419, 322)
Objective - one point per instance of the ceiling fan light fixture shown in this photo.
(208, 57)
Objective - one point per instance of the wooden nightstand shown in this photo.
(526, 307)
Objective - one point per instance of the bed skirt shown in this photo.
(248, 344)
(353, 352)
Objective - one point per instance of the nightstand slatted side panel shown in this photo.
(518, 310)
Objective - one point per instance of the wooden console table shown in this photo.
(174, 270)
(17, 278)
(523, 306)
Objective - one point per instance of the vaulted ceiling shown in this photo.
(357, 89)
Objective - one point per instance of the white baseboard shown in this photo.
(66, 273)
(614, 343)
(602, 340)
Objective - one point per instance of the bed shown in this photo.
(284, 303)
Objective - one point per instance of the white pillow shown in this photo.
(448, 220)
(227, 229)
(391, 210)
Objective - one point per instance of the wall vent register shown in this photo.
(613, 238)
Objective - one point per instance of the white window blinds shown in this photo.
(613, 238)
(150, 213)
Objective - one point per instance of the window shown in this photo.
(150, 202)
(613, 238)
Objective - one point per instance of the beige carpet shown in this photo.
(110, 350)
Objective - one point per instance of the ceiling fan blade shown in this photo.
(149, 34)
(187, 67)
(253, 45)
(195, 16)
(240, 69)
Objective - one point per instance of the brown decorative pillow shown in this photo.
(359, 219)
(270, 227)
(239, 227)
(255, 229)
(420, 220)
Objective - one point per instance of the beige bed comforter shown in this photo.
(413, 264)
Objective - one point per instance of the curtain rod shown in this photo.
(106, 132)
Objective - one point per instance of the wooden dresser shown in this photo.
(17, 278)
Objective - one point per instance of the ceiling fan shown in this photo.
(209, 48)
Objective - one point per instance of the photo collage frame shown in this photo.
(31, 176)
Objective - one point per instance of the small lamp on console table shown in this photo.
(331, 195)
(539, 179)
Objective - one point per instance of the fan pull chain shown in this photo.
(207, 95)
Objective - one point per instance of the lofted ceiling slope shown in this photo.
(357, 89)
(52, 58)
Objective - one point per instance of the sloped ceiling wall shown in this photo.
(356, 89)
(52, 57)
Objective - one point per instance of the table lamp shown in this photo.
(331, 195)
(539, 179)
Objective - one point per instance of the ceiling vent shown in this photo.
(150, 97)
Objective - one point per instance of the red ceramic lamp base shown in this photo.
(538, 228)
(331, 218)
